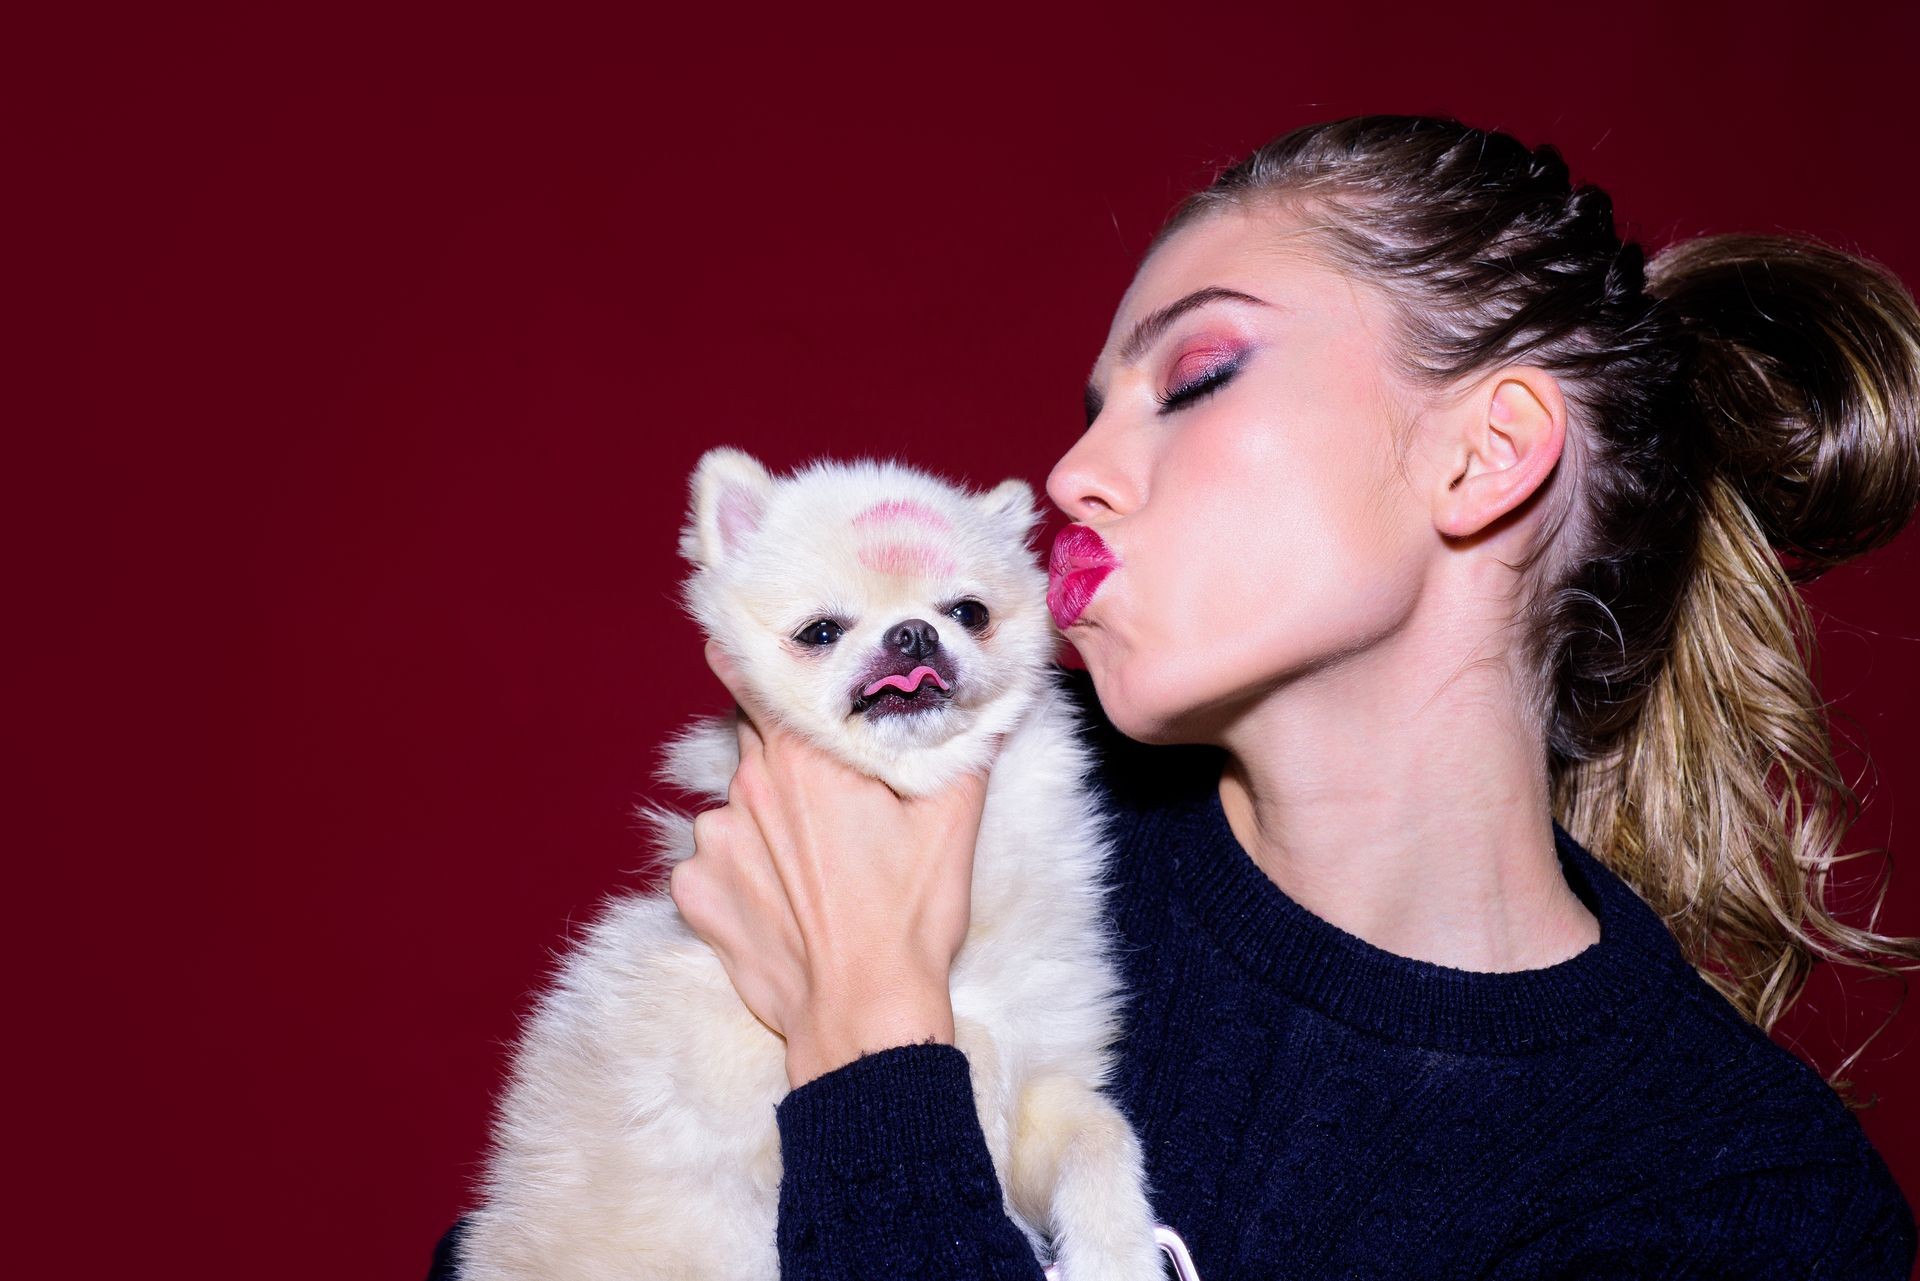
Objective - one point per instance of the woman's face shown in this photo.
(1241, 464)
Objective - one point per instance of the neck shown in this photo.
(1407, 803)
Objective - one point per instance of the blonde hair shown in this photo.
(1744, 413)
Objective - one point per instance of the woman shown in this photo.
(1435, 515)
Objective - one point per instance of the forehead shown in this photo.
(899, 535)
(893, 515)
(903, 537)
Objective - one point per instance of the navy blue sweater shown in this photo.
(1313, 1106)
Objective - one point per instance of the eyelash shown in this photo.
(1211, 381)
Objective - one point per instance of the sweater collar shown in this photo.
(1274, 938)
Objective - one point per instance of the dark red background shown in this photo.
(362, 360)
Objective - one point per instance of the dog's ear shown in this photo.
(729, 494)
(1010, 506)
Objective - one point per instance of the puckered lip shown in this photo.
(896, 683)
(1079, 563)
(1078, 547)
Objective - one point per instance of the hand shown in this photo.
(835, 905)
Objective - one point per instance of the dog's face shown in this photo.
(887, 615)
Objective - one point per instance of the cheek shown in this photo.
(1277, 541)
(1301, 507)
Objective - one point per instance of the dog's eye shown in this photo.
(822, 631)
(970, 614)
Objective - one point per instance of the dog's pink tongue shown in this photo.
(905, 684)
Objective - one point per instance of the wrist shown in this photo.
(841, 1031)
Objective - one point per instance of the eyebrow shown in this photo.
(1148, 331)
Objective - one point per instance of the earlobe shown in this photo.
(1510, 441)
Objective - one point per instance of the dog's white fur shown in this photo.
(636, 1137)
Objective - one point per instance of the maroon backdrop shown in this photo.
(364, 357)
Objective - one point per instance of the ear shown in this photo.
(729, 497)
(1010, 505)
(1512, 431)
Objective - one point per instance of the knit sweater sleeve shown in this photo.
(885, 1173)
(1818, 1222)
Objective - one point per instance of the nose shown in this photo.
(915, 638)
(1089, 482)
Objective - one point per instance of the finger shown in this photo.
(722, 665)
(746, 736)
(732, 675)
(746, 719)
(733, 869)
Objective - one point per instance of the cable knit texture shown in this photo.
(1313, 1106)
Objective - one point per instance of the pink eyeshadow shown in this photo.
(1207, 355)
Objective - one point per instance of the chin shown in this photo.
(917, 752)
(1161, 703)
(1133, 710)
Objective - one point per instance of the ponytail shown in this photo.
(1723, 804)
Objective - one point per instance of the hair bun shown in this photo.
(1806, 376)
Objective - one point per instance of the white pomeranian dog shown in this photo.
(899, 622)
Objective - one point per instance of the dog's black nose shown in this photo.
(915, 638)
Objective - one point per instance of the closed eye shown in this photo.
(1199, 389)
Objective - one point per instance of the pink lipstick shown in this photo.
(1080, 561)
